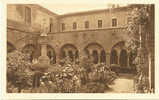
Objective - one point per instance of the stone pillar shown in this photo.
(98, 54)
(91, 52)
(58, 54)
(91, 55)
(44, 58)
(118, 54)
(128, 60)
(43, 50)
(107, 59)
(67, 54)
(81, 53)
(74, 54)
(150, 83)
(43, 63)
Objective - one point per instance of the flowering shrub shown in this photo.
(81, 76)
(19, 75)
(84, 77)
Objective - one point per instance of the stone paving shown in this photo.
(123, 84)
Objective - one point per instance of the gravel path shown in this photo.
(122, 85)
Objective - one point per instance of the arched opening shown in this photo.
(102, 57)
(96, 52)
(10, 47)
(63, 54)
(51, 54)
(95, 56)
(131, 59)
(76, 55)
(69, 51)
(70, 54)
(123, 58)
(87, 53)
(114, 57)
(29, 49)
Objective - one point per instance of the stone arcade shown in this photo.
(99, 34)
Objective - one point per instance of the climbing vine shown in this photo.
(138, 28)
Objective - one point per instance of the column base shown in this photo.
(44, 59)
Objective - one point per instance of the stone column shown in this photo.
(91, 55)
(74, 54)
(43, 63)
(150, 83)
(128, 60)
(81, 53)
(58, 55)
(118, 54)
(43, 50)
(99, 56)
(44, 58)
(108, 58)
(67, 54)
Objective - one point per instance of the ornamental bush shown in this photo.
(19, 75)
(81, 76)
(84, 77)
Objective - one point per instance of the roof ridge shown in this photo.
(91, 11)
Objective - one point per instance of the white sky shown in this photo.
(63, 8)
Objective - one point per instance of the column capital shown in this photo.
(43, 40)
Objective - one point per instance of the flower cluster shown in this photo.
(84, 77)
(18, 70)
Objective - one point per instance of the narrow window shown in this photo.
(63, 26)
(99, 23)
(114, 22)
(86, 24)
(28, 15)
(51, 25)
(74, 25)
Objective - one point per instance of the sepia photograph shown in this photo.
(107, 48)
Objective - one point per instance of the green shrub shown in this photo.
(18, 70)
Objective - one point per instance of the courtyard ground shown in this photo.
(123, 84)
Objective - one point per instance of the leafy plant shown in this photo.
(138, 29)
(84, 77)
(18, 70)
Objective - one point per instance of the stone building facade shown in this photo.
(99, 34)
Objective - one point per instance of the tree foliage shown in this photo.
(138, 29)
(139, 15)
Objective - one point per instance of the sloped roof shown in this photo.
(95, 11)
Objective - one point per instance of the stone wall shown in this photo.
(92, 17)
(100, 40)
(18, 13)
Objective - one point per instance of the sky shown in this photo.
(64, 8)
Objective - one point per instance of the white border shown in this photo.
(75, 95)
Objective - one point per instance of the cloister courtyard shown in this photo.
(99, 51)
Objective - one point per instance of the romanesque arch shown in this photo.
(10, 47)
(114, 57)
(95, 52)
(103, 57)
(30, 49)
(69, 51)
(123, 58)
(119, 54)
(51, 54)
(132, 56)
